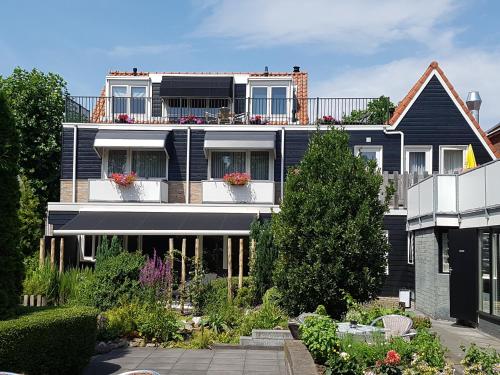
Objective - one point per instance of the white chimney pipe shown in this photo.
(474, 103)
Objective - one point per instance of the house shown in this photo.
(182, 132)
(494, 136)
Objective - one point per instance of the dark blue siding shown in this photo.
(435, 120)
(67, 153)
(177, 151)
(296, 142)
(198, 161)
(88, 163)
(59, 218)
(401, 274)
(277, 161)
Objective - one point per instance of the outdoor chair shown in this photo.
(210, 118)
(396, 326)
(224, 116)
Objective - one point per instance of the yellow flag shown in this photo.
(470, 159)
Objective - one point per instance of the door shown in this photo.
(463, 250)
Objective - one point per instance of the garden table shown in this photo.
(360, 331)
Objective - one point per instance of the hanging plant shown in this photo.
(124, 179)
(237, 178)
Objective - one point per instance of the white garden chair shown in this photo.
(396, 326)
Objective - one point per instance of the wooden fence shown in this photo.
(401, 183)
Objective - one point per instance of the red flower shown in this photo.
(392, 358)
(123, 179)
(236, 178)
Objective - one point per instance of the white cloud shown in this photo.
(356, 25)
(467, 69)
(154, 49)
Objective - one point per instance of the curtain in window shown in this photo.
(278, 100)
(416, 162)
(138, 100)
(259, 101)
(117, 160)
(227, 162)
(453, 161)
(259, 165)
(149, 164)
(119, 94)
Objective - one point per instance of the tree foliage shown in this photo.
(37, 103)
(376, 113)
(10, 260)
(30, 222)
(265, 256)
(329, 231)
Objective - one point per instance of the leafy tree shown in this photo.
(377, 112)
(329, 231)
(10, 260)
(37, 103)
(265, 256)
(30, 222)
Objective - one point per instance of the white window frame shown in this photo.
(270, 83)
(247, 164)
(128, 96)
(443, 148)
(128, 164)
(410, 255)
(379, 152)
(428, 157)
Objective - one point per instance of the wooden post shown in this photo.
(171, 257)
(229, 269)
(183, 273)
(61, 256)
(196, 255)
(252, 256)
(52, 253)
(240, 273)
(42, 251)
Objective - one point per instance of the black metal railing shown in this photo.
(262, 111)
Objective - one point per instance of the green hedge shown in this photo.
(48, 341)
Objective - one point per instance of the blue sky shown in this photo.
(349, 48)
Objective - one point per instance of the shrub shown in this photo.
(42, 280)
(158, 324)
(421, 322)
(118, 322)
(329, 231)
(319, 334)
(265, 256)
(48, 341)
(267, 316)
(245, 296)
(156, 277)
(114, 280)
(214, 294)
(68, 285)
(480, 361)
(343, 364)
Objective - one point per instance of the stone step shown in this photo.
(271, 334)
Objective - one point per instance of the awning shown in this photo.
(131, 138)
(158, 223)
(196, 87)
(239, 140)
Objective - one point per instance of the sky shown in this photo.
(354, 48)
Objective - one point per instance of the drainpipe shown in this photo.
(282, 161)
(73, 185)
(187, 163)
(402, 168)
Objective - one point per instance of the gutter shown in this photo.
(73, 185)
(282, 162)
(402, 167)
(188, 160)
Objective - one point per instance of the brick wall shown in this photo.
(432, 289)
(82, 190)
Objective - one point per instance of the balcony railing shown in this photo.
(260, 111)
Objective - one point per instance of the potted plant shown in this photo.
(236, 178)
(257, 120)
(191, 119)
(124, 179)
(124, 119)
(327, 120)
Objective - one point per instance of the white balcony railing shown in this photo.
(254, 192)
(469, 199)
(138, 191)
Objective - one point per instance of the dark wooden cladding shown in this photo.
(88, 162)
(198, 161)
(177, 151)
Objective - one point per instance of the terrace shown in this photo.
(230, 111)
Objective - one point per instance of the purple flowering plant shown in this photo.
(156, 275)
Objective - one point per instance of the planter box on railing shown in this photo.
(254, 192)
(139, 191)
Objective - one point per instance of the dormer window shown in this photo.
(128, 99)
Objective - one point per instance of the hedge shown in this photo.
(57, 340)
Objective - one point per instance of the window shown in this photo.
(278, 100)
(117, 161)
(418, 159)
(494, 270)
(259, 101)
(411, 247)
(138, 100)
(370, 153)
(256, 163)
(146, 164)
(452, 159)
(149, 164)
(119, 94)
(484, 272)
(444, 254)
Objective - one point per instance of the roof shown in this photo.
(493, 129)
(434, 66)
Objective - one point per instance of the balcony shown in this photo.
(138, 191)
(259, 192)
(183, 110)
(467, 200)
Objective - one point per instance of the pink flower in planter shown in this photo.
(237, 178)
